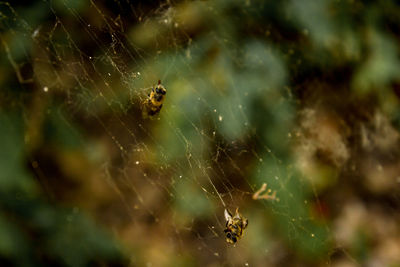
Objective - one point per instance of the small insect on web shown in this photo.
(154, 102)
(234, 226)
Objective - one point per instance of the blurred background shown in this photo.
(302, 95)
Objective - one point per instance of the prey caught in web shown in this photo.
(153, 103)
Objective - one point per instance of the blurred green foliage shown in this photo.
(238, 75)
(35, 231)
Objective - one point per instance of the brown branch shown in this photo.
(257, 195)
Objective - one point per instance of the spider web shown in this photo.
(226, 127)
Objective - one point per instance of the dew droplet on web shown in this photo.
(35, 33)
(46, 89)
(220, 118)
(260, 160)
(137, 162)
